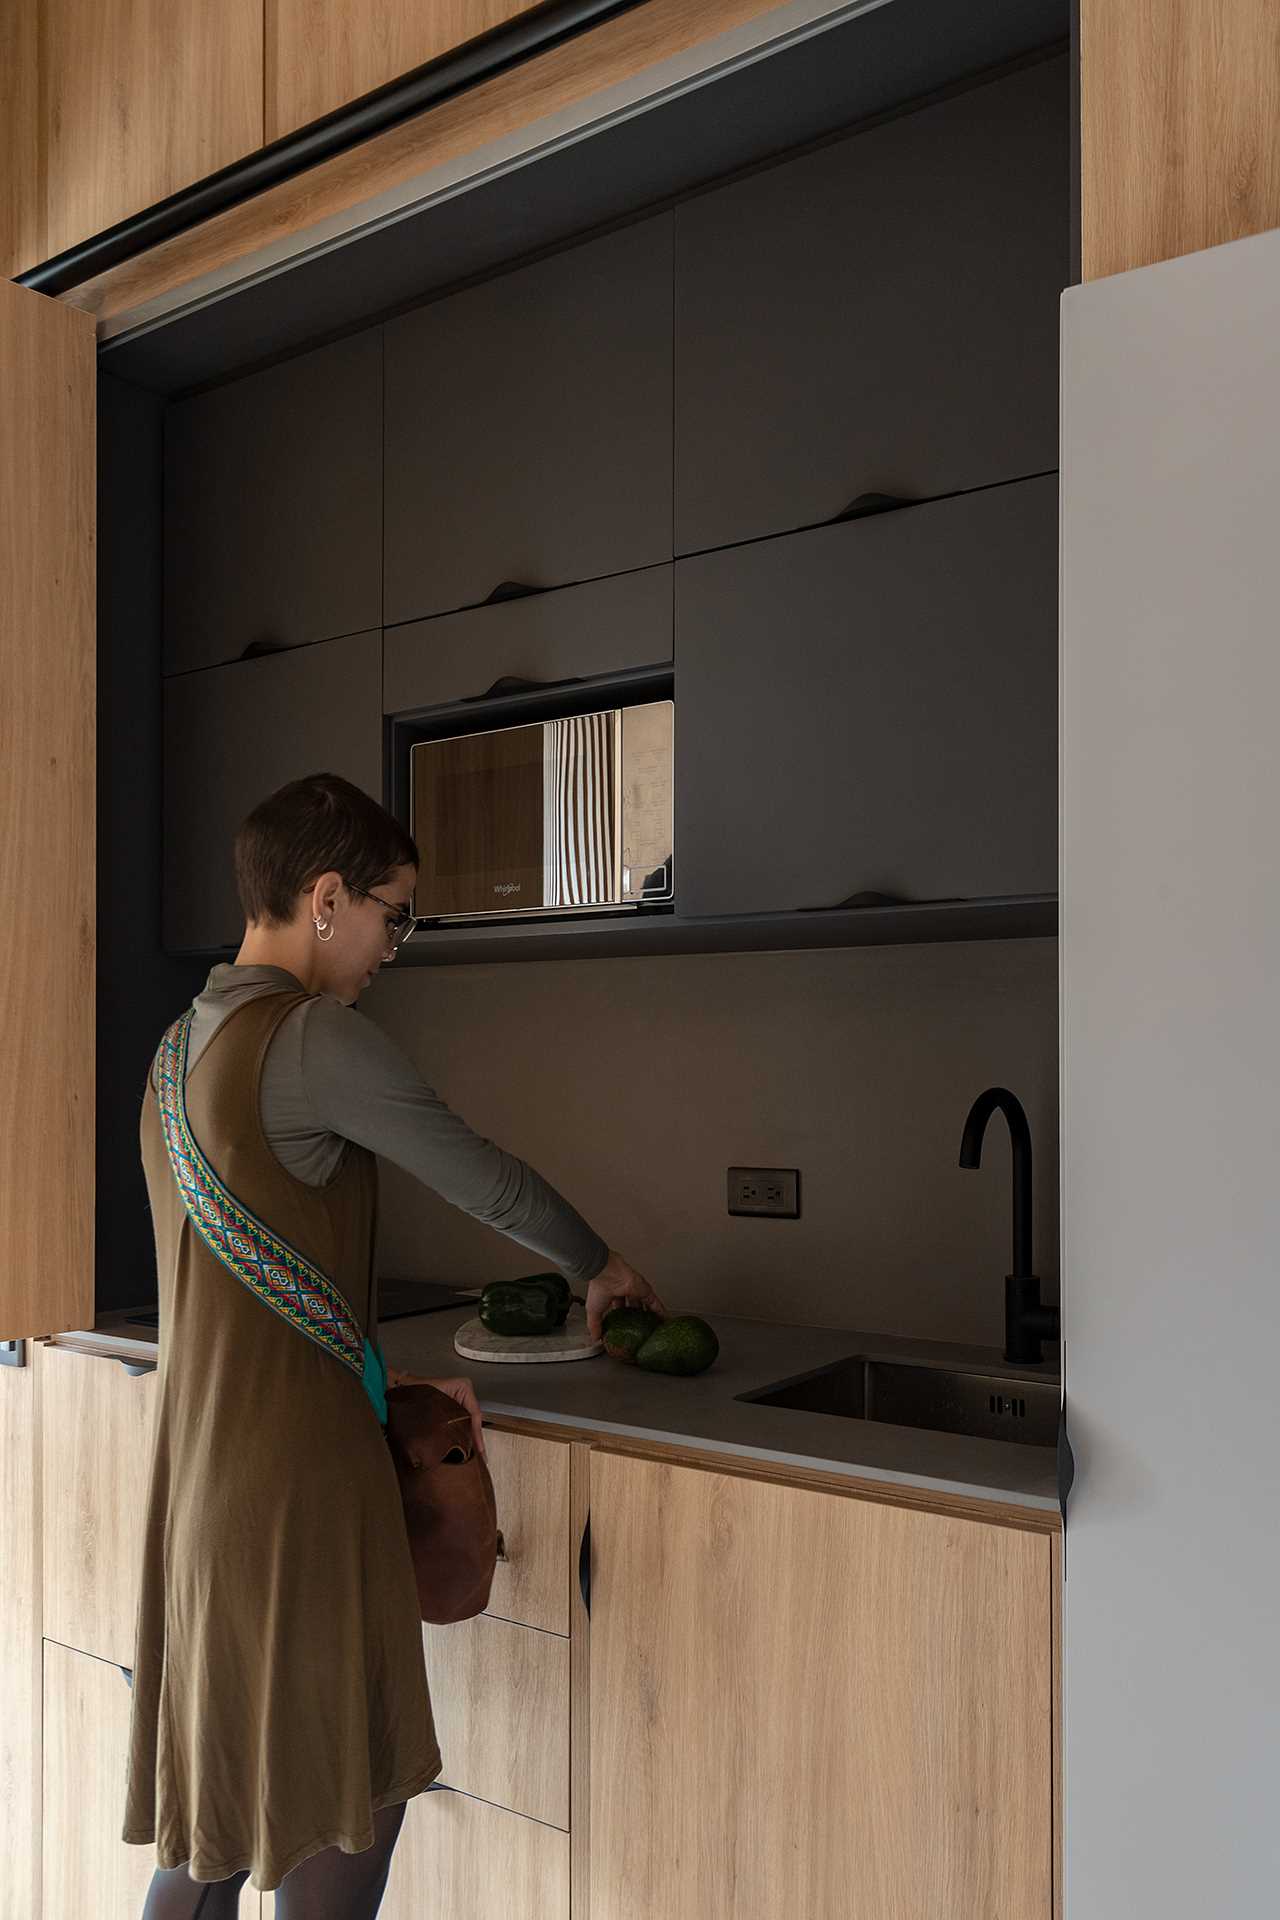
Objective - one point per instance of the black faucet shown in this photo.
(1026, 1322)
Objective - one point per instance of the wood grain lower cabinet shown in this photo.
(96, 1425)
(20, 1681)
(807, 1702)
(88, 1870)
(500, 1698)
(461, 1859)
(232, 735)
(531, 1584)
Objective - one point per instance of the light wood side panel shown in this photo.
(604, 57)
(21, 198)
(95, 1430)
(47, 813)
(1179, 104)
(19, 1646)
(500, 1698)
(320, 54)
(823, 1706)
(531, 1487)
(458, 1859)
(139, 99)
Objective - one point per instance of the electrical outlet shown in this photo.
(772, 1193)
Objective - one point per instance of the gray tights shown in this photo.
(331, 1885)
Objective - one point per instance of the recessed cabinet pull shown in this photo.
(584, 1567)
(510, 590)
(257, 649)
(865, 504)
(502, 1548)
(513, 683)
(137, 1366)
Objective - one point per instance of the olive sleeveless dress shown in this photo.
(279, 1690)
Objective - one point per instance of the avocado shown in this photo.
(626, 1329)
(684, 1345)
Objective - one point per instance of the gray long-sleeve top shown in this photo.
(331, 1076)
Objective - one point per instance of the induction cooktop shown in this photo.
(397, 1300)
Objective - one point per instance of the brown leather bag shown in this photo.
(449, 1508)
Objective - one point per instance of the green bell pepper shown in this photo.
(537, 1305)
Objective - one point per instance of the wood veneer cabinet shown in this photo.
(87, 1868)
(47, 813)
(139, 99)
(319, 54)
(810, 1702)
(96, 1424)
(461, 1859)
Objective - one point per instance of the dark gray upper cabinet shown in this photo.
(528, 426)
(606, 626)
(880, 315)
(232, 735)
(871, 707)
(273, 507)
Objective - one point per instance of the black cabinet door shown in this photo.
(871, 707)
(606, 626)
(880, 315)
(528, 427)
(232, 735)
(273, 507)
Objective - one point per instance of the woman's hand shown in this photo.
(459, 1389)
(617, 1285)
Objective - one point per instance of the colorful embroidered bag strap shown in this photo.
(284, 1279)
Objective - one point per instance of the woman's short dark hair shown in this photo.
(321, 824)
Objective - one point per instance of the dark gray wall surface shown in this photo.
(273, 507)
(139, 988)
(878, 316)
(233, 735)
(529, 427)
(871, 706)
(606, 626)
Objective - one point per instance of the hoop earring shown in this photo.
(320, 932)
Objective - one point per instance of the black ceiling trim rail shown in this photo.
(489, 54)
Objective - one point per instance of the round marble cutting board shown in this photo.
(474, 1341)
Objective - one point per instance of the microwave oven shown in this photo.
(560, 816)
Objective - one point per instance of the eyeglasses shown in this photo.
(403, 923)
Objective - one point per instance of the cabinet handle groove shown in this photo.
(868, 503)
(584, 1567)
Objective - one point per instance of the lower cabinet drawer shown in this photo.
(87, 1869)
(96, 1424)
(500, 1696)
(531, 1583)
(460, 1859)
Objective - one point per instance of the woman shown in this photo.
(280, 1716)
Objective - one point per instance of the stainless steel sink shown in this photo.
(989, 1406)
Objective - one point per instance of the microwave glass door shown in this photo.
(551, 817)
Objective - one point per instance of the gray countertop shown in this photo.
(607, 1397)
(603, 1396)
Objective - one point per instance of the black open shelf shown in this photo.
(634, 935)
